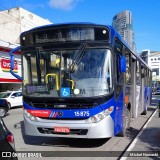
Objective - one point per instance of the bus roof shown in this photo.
(64, 25)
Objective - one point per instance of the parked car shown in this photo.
(4, 107)
(14, 98)
(6, 142)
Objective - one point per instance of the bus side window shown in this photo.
(138, 73)
(118, 50)
(118, 76)
(128, 75)
(145, 76)
(150, 78)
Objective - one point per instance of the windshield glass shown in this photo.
(67, 73)
(4, 95)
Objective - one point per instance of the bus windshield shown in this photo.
(67, 73)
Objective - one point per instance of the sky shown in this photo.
(146, 15)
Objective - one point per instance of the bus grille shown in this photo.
(72, 131)
(61, 106)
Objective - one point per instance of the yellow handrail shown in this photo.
(71, 82)
(53, 74)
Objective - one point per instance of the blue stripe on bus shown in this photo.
(76, 113)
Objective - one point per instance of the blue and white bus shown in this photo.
(80, 80)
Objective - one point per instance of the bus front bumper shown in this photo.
(78, 128)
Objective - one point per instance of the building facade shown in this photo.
(13, 22)
(123, 23)
(152, 58)
(17, 20)
(7, 81)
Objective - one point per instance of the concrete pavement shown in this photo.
(147, 143)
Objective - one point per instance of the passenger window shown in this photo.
(145, 78)
(118, 48)
(128, 75)
(150, 78)
(138, 73)
(118, 76)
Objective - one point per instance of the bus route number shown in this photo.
(81, 113)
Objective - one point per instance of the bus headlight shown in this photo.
(31, 117)
(108, 111)
(101, 116)
(98, 117)
(94, 119)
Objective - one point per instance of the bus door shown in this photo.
(119, 94)
(128, 87)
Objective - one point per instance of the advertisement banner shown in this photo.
(5, 65)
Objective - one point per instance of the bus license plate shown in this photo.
(62, 129)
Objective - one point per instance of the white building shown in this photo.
(12, 23)
(152, 58)
(17, 20)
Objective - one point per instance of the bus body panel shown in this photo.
(119, 114)
(102, 129)
(146, 97)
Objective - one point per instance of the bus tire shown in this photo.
(126, 123)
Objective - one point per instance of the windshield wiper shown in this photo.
(78, 58)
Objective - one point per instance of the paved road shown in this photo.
(14, 122)
(148, 139)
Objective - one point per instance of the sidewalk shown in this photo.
(148, 140)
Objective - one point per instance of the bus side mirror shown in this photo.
(12, 63)
(122, 64)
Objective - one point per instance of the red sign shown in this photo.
(5, 65)
(62, 129)
(39, 113)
